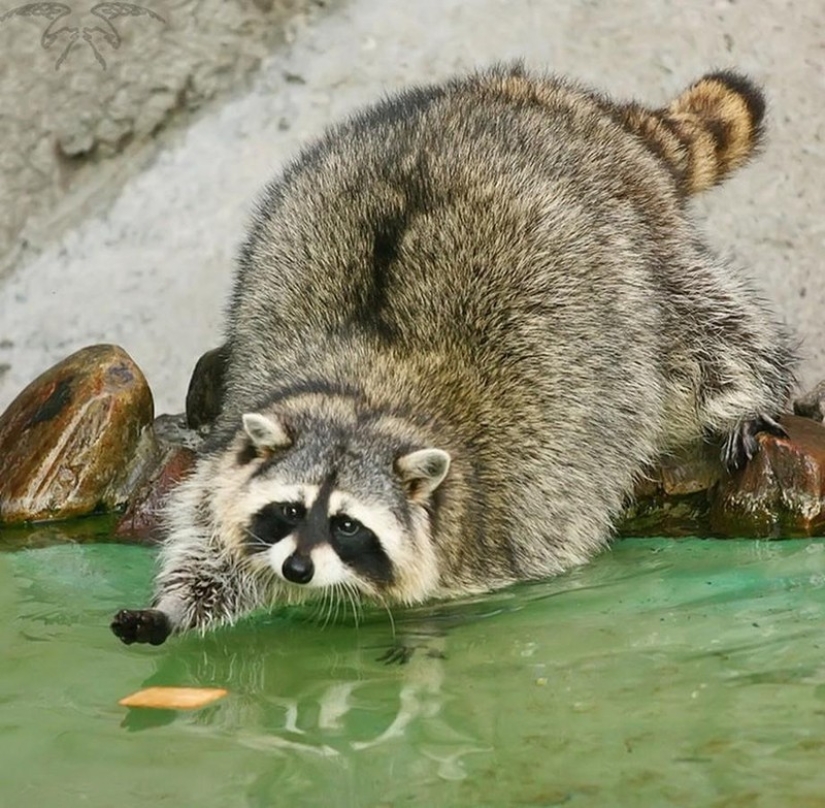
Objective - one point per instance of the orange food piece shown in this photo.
(173, 698)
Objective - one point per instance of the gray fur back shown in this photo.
(507, 262)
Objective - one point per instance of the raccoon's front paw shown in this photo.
(141, 625)
(741, 444)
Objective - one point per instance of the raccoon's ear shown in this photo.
(422, 471)
(266, 433)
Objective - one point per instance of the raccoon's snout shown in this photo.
(298, 569)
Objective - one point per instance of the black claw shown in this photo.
(741, 444)
(142, 625)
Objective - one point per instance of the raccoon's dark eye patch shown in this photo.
(292, 512)
(271, 524)
(359, 548)
(346, 527)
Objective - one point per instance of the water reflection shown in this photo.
(353, 701)
(665, 673)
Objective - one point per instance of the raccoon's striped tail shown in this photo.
(707, 132)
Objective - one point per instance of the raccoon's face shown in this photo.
(326, 505)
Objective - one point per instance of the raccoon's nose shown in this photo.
(298, 569)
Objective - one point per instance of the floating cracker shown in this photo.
(173, 698)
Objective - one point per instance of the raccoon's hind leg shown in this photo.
(733, 414)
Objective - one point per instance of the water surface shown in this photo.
(665, 673)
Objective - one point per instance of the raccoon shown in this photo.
(463, 323)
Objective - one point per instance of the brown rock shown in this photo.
(142, 518)
(65, 440)
(135, 468)
(780, 492)
(696, 468)
(174, 458)
(204, 397)
(812, 404)
(671, 500)
(662, 515)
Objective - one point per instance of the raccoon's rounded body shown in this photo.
(463, 323)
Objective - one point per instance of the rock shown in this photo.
(204, 397)
(142, 518)
(780, 492)
(173, 430)
(672, 499)
(175, 455)
(65, 440)
(696, 468)
(662, 515)
(812, 404)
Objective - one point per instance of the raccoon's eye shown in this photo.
(346, 527)
(292, 512)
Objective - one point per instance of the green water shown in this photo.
(685, 673)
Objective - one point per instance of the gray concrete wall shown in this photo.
(150, 270)
(78, 116)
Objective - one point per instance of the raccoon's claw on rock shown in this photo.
(141, 625)
(741, 444)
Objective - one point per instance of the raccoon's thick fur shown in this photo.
(463, 323)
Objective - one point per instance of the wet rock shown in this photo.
(696, 468)
(135, 469)
(173, 430)
(812, 404)
(65, 440)
(206, 389)
(175, 454)
(662, 515)
(672, 499)
(781, 492)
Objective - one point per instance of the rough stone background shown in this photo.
(67, 115)
(137, 248)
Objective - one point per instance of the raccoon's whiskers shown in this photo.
(386, 607)
(337, 595)
(258, 541)
(352, 596)
(339, 601)
(319, 605)
(323, 608)
(315, 616)
(329, 604)
(359, 603)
